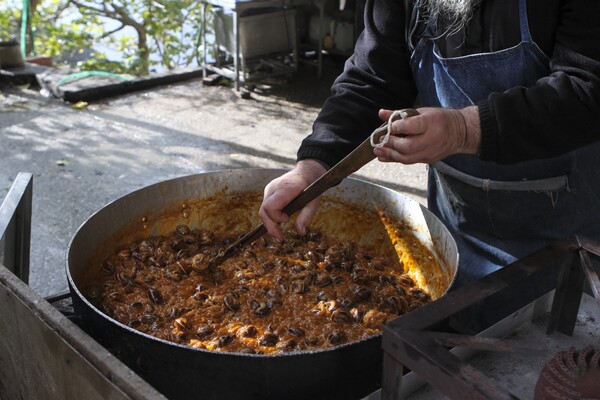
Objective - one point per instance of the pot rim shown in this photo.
(74, 288)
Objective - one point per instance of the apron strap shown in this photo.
(523, 22)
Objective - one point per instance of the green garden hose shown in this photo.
(85, 74)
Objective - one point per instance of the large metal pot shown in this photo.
(348, 371)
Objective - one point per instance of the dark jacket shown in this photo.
(561, 112)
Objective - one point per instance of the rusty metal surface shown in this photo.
(567, 297)
(591, 274)
(483, 343)
(411, 341)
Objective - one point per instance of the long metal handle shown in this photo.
(360, 156)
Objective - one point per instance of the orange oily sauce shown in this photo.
(307, 293)
(418, 261)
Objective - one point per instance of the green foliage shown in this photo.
(10, 20)
(165, 24)
(145, 35)
(68, 41)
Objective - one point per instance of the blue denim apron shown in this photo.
(499, 213)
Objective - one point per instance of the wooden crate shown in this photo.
(43, 355)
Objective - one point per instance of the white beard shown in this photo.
(456, 13)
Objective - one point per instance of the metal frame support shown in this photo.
(203, 30)
(15, 226)
(237, 71)
(412, 342)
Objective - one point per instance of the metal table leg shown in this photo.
(204, 63)
(236, 60)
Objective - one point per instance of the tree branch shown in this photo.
(106, 34)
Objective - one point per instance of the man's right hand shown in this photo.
(281, 191)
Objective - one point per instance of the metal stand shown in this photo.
(238, 71)
(412, 342)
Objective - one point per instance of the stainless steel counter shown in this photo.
(237, 9)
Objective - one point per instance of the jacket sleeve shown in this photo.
(376, 76)
(561, 111)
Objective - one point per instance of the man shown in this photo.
(508, 93)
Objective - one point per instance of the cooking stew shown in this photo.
(226, 204)
(306, 293)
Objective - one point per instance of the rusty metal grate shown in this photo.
(414, 341)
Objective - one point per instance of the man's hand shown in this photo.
(281, 191)
(431, 136)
